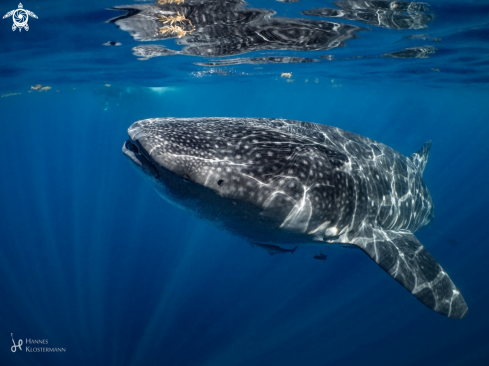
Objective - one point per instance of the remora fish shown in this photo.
(273, 249)
(321, 256)
(287, 182)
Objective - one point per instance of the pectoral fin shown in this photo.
(401, 255)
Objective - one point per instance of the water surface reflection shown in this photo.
(226, 28)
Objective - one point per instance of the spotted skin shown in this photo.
(287, 182)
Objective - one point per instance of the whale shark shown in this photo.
(276, 181)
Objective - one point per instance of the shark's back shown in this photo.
(372, 181)
(397, 195)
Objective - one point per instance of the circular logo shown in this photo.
(20, 18)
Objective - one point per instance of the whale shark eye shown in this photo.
(219, 182)
(185, 177)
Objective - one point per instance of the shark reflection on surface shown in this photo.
(385, 14)
(410, 52)
(226, 28)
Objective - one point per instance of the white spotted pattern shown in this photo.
(280, 181)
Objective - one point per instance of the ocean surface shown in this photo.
(94, 263)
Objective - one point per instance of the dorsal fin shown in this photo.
(420, 158)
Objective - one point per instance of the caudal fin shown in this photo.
(420, 158)
(293, 250)
(402, 256)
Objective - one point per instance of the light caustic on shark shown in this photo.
(276, 182)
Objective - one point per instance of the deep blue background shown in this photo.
(94, 261)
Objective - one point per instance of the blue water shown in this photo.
(92, 260)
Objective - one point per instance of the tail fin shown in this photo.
(401, 255)
(420, 158)
(293, 250)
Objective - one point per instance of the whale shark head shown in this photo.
(236, 172)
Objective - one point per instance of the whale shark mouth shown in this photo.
(139, 157)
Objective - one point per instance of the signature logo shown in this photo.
(15, 346)
(20, 17)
